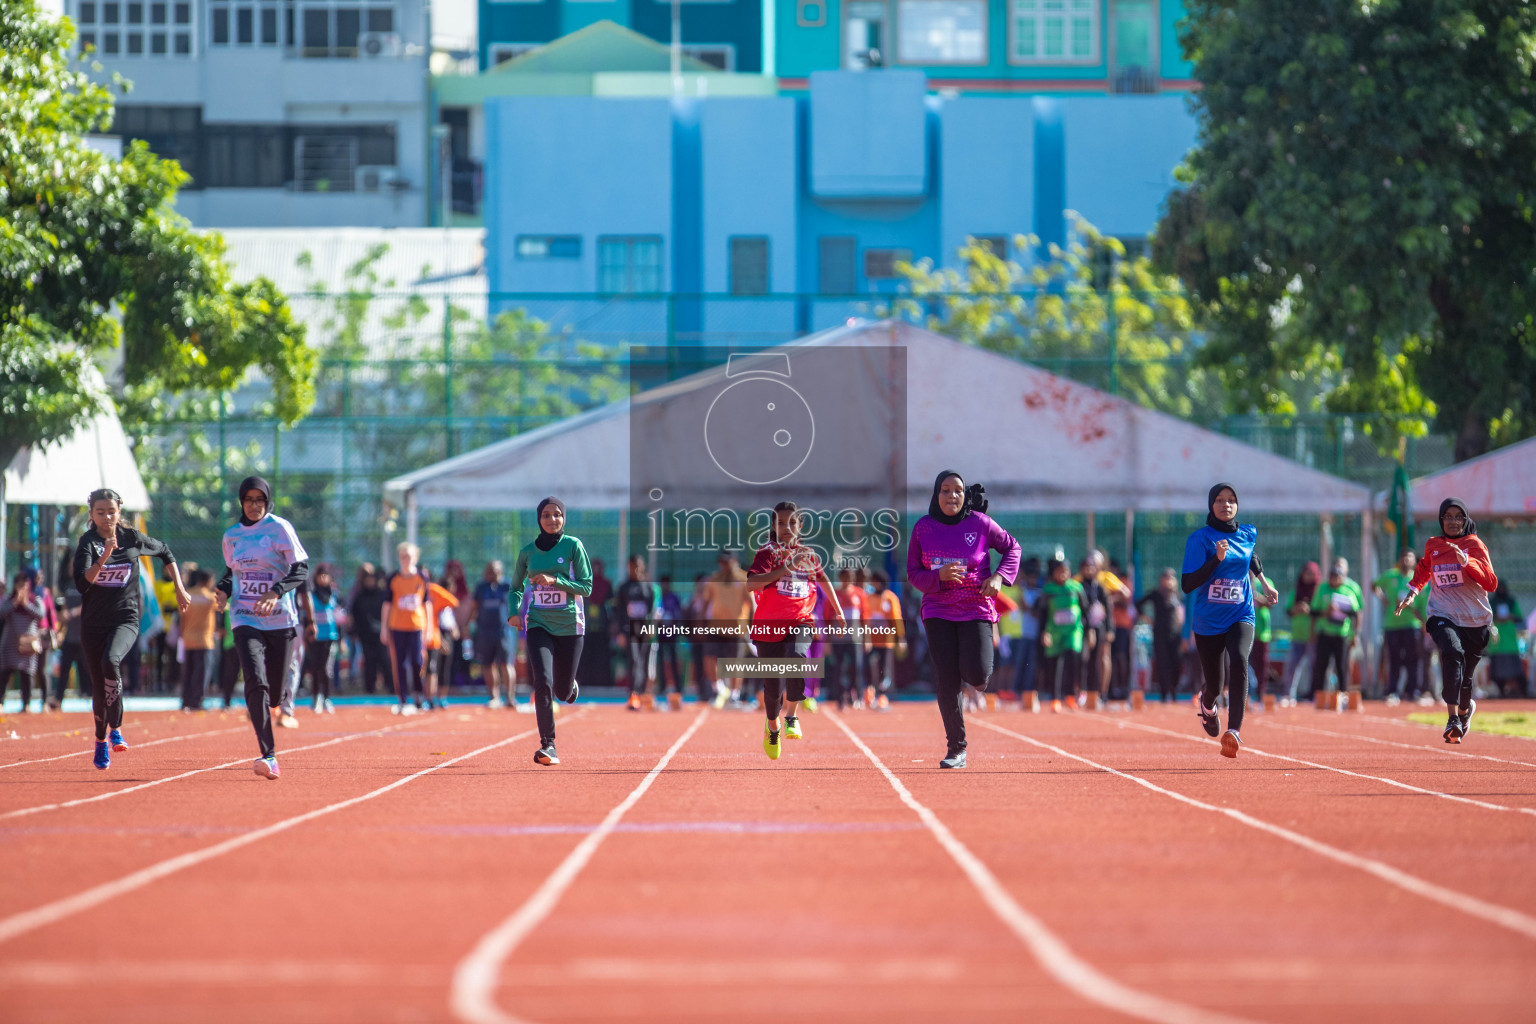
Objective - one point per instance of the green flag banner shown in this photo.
(1399, 516)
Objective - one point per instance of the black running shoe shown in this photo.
(954, 759)
(1453, 727)
(546, 755)
(1209, 720)
(575, 692)
(1465, 719)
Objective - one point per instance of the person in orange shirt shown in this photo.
(441, 633)
(1457, 567)
(197, 638)
(406, 614)
(883, 611)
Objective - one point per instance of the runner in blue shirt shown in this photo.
(1220, 564)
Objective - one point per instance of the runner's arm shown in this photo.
(925, 580)
(1000, 539)
(519, 582)
(227, 582)
(1480, 567)
(298, 572)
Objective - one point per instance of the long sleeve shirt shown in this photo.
(1458, 592)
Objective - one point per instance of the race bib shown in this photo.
(638, 609)
(793, 587)
(1225, 592)
(551, 597)
(1448, 575)
(254, 585)
(114, 575)
(1096, 615)
(1065, 617)
(1342, 606)
(408, 602)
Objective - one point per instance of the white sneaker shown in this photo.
(319, 705)
(495, 702)
(525, 709)
(1393, 700)
(330, 708)
(287, 721)
(722, 694)
(409, 709)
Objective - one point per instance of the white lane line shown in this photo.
(136, 745)
(1426, 748)
(475, 980)
(1050, 952)
(1505, 917)
(58, 910)
(24, 811)
(1485, 805)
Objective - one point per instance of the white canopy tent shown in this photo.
(65, 472)
(1040, 442)
(1501, 483)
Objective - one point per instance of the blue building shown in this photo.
(725, 34)
(765, 198)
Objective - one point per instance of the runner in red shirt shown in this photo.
(782, 575)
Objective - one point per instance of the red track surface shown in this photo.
(739, 889)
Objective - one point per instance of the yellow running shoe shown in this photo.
(771, 744)
(792, 727)
(809, 704)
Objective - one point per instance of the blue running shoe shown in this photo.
(115, 737)
(103, 759)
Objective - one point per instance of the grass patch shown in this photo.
(1499, 723)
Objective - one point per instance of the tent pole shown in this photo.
(411, 512)
(1130, 540)
(1089, 550)
(1368, 613)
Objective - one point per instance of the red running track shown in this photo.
(1085, 867)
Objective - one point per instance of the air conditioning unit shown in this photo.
(376, 178)
(379, 44)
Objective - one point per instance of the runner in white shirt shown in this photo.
(265, 564)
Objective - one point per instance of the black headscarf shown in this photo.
(1450, 503)
(1210, 505)
(252, 483)
(546, 540)
(975, 499)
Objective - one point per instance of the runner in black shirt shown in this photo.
(106, 573)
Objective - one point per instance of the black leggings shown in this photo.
(1402, 656)
(1335, 649)
(1224, 663)
(24, 683)
(264, 655)
(317, 667)
(194, 678)
(1058, 673)
(552, 662)
(776, 688)
(842, 672)
(1165, 667)
(961, 653)
(106, 648)
(1461, 648)
(639, 654)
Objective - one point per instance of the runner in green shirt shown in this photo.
(1400, 632)
(1063, 608)
(561, 575)
(1299, 607)
(1263, 633)
(1336, 617)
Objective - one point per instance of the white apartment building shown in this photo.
(286, 113)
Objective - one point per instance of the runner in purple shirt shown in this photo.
(949, 559)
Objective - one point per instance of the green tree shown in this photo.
(95, 262)
(1360, 208)
(1088, 311)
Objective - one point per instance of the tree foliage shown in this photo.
(1360, 207)
(95, 263)
(1088, 311)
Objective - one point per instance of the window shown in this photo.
(864, 29)
(629, 264)
(1055, 31)
(174, 133)
(245, 156)
(549, 247)
(880, 264)
(997, 245)
(334, 29)
(810, 13)
(328, 159)
(243, 22)
(839, 266)
(503, 52)
(133, 29)
(942, 31)
(749, 265)
(720, 56)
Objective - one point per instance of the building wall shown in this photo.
(984, 53)
(736, 24)
(698, 172)
(239, 115)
